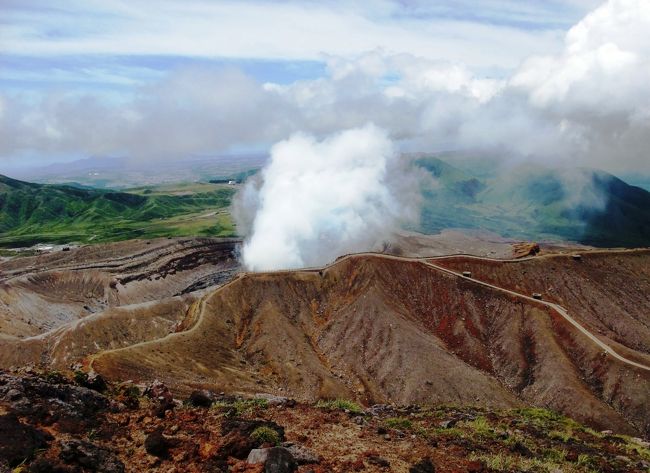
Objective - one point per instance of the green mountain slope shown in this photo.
(587, 206)
(33, 213)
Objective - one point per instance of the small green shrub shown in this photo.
(54, 376)
(265, 434)
(400, 423)
(240, 406)
(340, 404)
(80, 377)
(481, 426)
(586, 461)
(592, 432)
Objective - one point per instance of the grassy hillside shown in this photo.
(587, 206)
(33, 213)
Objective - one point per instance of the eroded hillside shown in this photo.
(375, 328)
(383, 329)
(44, 292)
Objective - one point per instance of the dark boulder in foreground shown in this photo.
(156, 444)
(90, 457)
(201, 398)
(275, 460)
(423, 466)
(19, 442)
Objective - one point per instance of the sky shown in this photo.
(556, 81)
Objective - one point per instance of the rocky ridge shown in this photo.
(51, 422)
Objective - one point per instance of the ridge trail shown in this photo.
(426, 261)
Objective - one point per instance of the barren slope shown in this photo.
(376, 328)
(383, 329)
(41, 293)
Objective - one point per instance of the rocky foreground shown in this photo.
(76, 422)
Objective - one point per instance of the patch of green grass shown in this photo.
(592, 432)
(556, 455)
(451, 433)
(498, 461)
(265, 434)
(16, 253)
(587, 461)
(340, 404)
(508, 463)
(632, 446)
(240, 406)
(539, 414)
(563, 436)
(480, 426)
(399, 423)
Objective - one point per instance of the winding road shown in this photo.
(558, 308)
(426, 261)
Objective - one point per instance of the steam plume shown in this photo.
(320, 199)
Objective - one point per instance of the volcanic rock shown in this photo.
(156, 444)
(47, 402)
(275, 460)
(302, 454)
(202, 398)
(90, 457)
(18, 441)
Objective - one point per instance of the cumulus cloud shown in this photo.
(319, 199)
(583, 106)
(597, 92)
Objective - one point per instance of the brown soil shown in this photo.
(369, 328)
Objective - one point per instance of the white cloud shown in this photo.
(586, 104)
(279, 30)
(606, 60)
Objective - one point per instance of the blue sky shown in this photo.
(118, 45)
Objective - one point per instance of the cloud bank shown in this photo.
(589, 105)
(320, 199)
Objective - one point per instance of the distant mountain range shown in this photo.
(532, 203)
(581, 205)
(121, 172)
